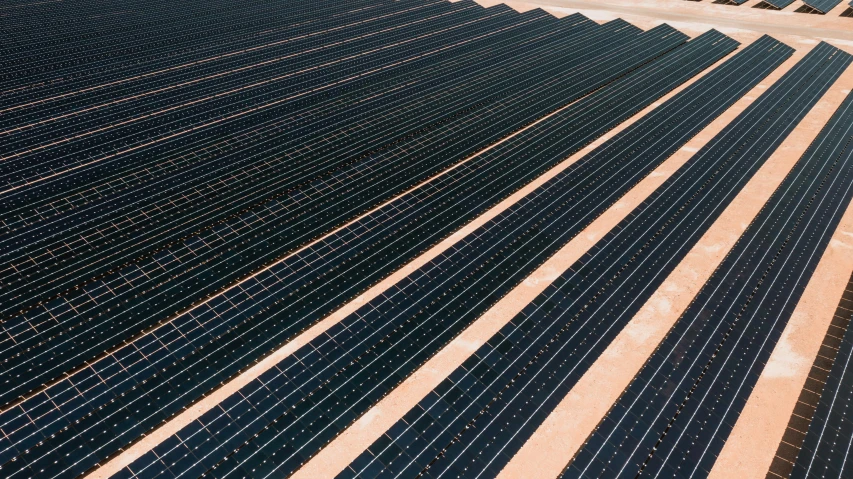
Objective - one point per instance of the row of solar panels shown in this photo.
(819, 436)
(821, 6)
(210, 178)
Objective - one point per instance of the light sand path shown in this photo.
(566, 429)
(340, 452)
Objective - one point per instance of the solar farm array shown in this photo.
(188, 188)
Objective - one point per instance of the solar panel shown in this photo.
(823, 6)
(780, 4)
(826, 446)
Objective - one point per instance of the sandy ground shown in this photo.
(556, 440)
